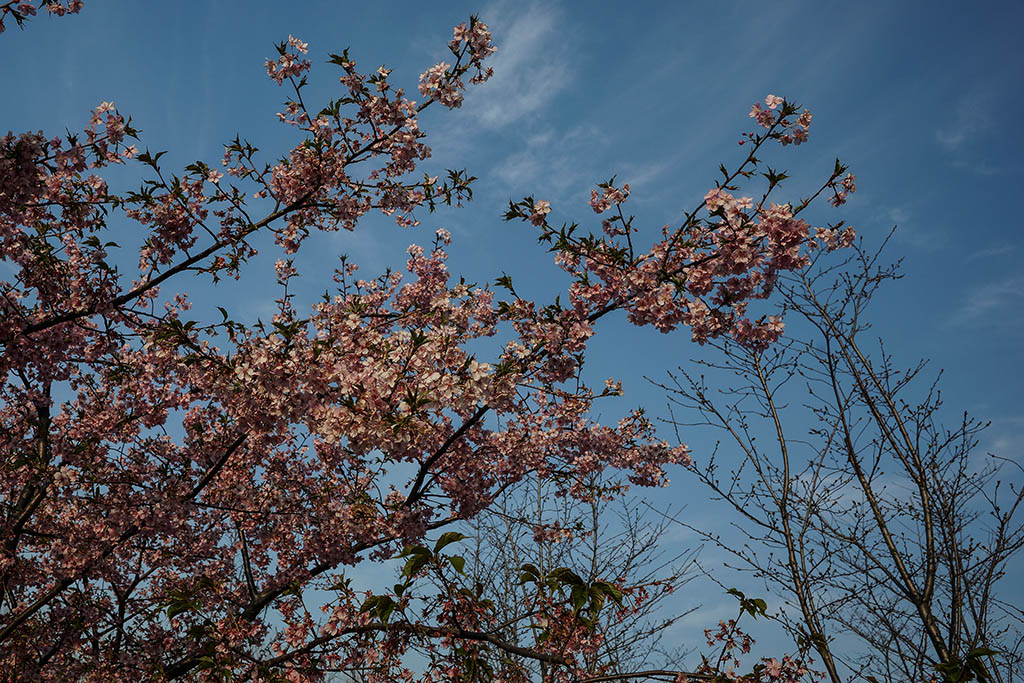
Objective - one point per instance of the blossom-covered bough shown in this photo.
(181, 499)
(21, 10)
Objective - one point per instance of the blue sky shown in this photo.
(921, 99)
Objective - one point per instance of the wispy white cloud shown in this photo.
(969, 116)
(983, 300)
(909, 229)
(989, 252)
(966, 125)
(530, 67)
(562, 163)
(639, 176)
(978, 168)
(898, 215)
(951, 138)
(566, 164)
(968, 120)
(1008, 446)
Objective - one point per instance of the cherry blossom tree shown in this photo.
(186, 498)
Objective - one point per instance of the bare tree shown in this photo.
(596, 538)
(884, 527)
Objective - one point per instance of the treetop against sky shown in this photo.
(917, 102)
(590, 120)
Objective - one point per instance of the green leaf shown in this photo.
(410, 550)
(530, 569)
(448, 538)
(504, 281)
(373, 603)
(609, 590)
(566, 576)
(459, 563)
(176, 608)
(578, 597)
(414, 564)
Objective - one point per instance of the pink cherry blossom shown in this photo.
(178, 485)
(541, 209)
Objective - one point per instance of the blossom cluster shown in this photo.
(611, 195)
(732, 642)
(22, 10)
(840, 190)
(289, 64)
(795, 130)
(471, 45)
(705, 273)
